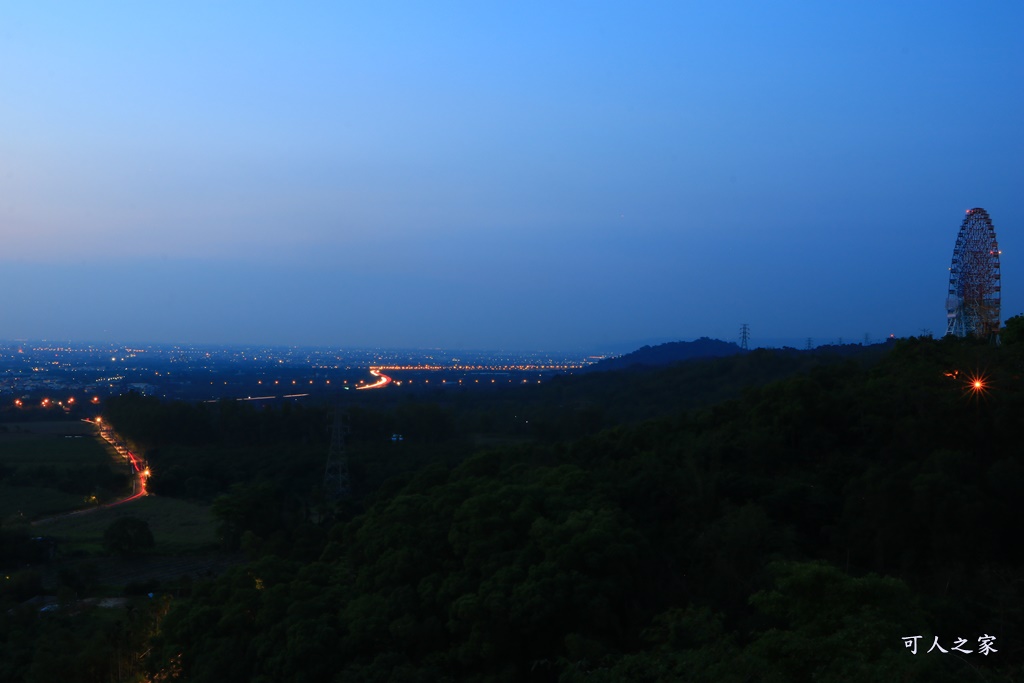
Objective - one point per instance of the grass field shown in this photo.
(20, 449)
(185, 533)
(36, 456)
(178, 526)
(54, 428)
(24, 503)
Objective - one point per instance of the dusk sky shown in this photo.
(517, 175)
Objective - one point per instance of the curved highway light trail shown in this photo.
(257, 398)
(382, 380)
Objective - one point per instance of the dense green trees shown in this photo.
(77, 642)
(796, 532)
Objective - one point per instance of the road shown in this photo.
(139, 470)
(382, 380)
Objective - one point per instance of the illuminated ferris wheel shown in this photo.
(972, 307)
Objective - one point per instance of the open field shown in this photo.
(23, 450)
(51, 467)
(52, 428)
(178, 526)
(23, 503)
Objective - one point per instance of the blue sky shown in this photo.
(527, 175)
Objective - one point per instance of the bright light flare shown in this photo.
(977, 386)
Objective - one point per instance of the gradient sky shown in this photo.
(517, 175)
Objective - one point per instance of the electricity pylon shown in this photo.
(336, 480)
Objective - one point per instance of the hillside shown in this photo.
(669, 353)
(797, 531)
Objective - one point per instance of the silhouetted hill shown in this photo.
(672, 352)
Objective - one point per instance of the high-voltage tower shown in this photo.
(972, 307)
(336, 480)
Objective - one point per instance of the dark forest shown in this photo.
(769, 516)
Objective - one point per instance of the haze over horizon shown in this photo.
(518, 176)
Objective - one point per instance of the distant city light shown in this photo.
(86, 370)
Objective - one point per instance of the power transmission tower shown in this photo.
(810, 343)
(745, 336)
(336, 480)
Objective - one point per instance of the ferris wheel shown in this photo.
(972, 307)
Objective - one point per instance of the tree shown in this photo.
(128, 536)
(1013, 330)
